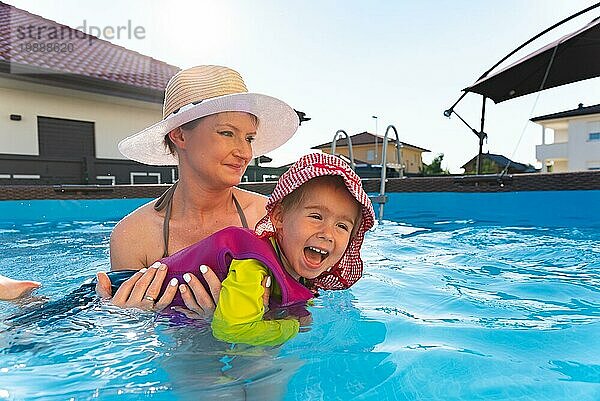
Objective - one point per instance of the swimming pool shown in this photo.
(465, 296)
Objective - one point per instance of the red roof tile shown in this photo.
(89, 56)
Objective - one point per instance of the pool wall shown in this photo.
(545, 208)
(38, 210)
(526, 208)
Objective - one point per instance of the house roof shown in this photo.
(356, 161)
(502, 161)
(89, 61)
(365, 138)
(579, 111)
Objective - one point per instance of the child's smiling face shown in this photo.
(314, 233)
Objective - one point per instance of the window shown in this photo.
(594, 136)
(370, 155)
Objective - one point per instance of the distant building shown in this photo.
(66, 103)
(576, 142)
(494, 164)
(367, 151)
(64, 109)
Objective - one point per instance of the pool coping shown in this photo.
(585, 180)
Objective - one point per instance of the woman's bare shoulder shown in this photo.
(141, 214)
(253, 205)
(250, 198)
(137, 238)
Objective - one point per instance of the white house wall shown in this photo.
(114, 118)
(581, 150)
(561, 135)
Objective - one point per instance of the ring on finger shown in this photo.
(150, 298)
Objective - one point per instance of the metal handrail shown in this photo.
(382, 196)
(350, 152)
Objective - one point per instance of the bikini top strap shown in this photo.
(166, 201)
(166, 228)
(240, 212)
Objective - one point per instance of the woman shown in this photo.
(211, 128)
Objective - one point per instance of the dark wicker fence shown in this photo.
(587, 180)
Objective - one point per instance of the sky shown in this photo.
(343, 62)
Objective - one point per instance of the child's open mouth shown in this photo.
(314, 255)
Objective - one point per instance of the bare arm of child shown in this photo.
(13, 289)
(239, 313)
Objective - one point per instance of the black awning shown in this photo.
(572, 58)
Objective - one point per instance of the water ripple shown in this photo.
(466, 274)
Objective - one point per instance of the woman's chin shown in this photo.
(230, 180)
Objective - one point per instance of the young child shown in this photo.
(310, 239)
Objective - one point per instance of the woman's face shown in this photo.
(218, 149)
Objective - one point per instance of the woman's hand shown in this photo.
(199, 304)
(13, 289)
(141, 290)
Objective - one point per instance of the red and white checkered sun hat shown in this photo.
(349, 269)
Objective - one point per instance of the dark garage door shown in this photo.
(69, 141)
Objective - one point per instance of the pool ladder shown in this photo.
(382, 198)
(350, 152)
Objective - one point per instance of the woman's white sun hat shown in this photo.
(202, 91)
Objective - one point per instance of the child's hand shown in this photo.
(13, 289)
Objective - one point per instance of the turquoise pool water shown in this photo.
(465, 297)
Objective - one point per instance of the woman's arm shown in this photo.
(135, 242)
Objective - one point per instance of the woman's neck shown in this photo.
(193, 198)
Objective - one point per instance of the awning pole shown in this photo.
(481, 136)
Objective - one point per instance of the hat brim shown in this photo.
(277, 123)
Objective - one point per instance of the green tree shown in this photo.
(435, 168)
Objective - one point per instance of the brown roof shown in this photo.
(502, 161)
(365, 138)
(77, 55)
